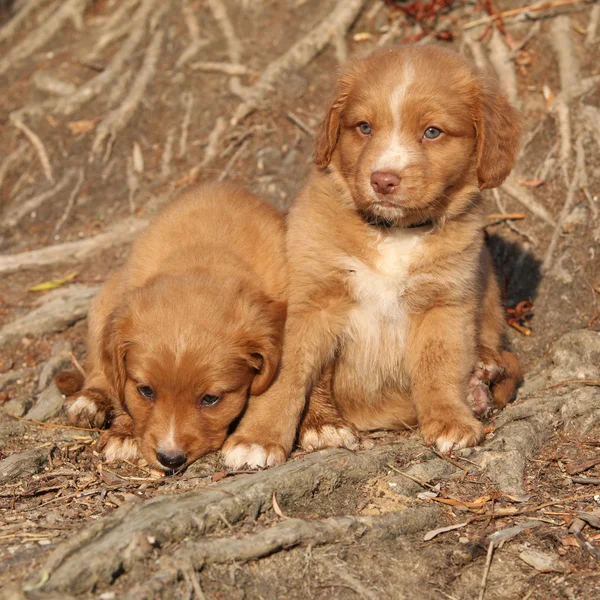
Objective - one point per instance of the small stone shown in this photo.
(18, 406)
(48, 405)
(540, 561)
(59, 360)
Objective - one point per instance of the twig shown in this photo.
(77, 364)
(133, 185)
(510, 225)
(192, 579)
(486, 571)
(586, 480)
(196, 43)
(300, 123)
(220, 67)
(506, 216)
(119, 233)
(593, 382)
(70, 202)
(587, 546)
(167, 155)
(43, 33)
(564, 213)
(299, 55)
(518, 11)
(11, 160)
(53, 425)
(116, 26)
(214, 140)
(98, 84)
(225, 173)
(188, 101)
(37, 143)
(527, 200)
(449, 460)
(118, 119)
(411, 477)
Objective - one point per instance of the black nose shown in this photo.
(172, 460)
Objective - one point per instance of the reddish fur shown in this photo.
(337, 231)
(198, 309)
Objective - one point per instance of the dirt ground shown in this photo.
(108, 108)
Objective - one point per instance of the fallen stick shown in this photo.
(196, 43)
(504, 67)
(595, 382)
(299, 55)
(113, 30)
(527, 200)
(518, 11)
(118, 119)
(53, 425)
(505, 216)
(36, 142)
(70, 201)
(43, 33)
(98, 84)
(220, 67)
(188, 100)
(119, 233)
(486, 570)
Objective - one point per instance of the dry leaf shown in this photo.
(458, 503)
(77, 127)
(51, 285)
(435, 532)
(362, 36)
(569, 541)
(218, 476)
(277, 508)
(533, 183)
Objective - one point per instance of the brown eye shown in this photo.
(365, 128)
(209, 400)
(146, 392)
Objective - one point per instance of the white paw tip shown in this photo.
(120, 449)
(253, 455)
(83, 405)
(329, 437)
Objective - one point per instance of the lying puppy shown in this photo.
(393, 300)
(191, 326)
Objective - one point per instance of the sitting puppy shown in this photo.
(393, 299)
(188, 329)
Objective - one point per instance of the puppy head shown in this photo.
(411, 129)
(183, 354)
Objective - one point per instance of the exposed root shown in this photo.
(564, 127)
(117, 25)
(591, 121)
(234, 158)
(527, 200)
(568, 65)
(167, 154)
(576, 90)
(10, 28)
(592, 28)
(118, 119)
(213, 141)
(282, 536)
(504, 67)
(37, 143)
(543, 171)
(69, 252)
(477, 52)
(98, 84)
(196, 43)
(533, 241)
(566, 209)
(339, 44)
(234, 47)
(21, 209)
(299, 55)
(52, 85)
(44, 33)
(70, 201)
(220, 67)
(188, 101)
(13, 159)
(133, 184)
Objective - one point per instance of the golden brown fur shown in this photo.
(196, 313)
(393, 300)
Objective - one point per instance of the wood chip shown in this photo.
(435, 532)
(582, 465)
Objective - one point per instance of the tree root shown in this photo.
(14, 216)
(69, 252)
(42, 34)
(98, 84)
(70, 202)
(592, 29)
(10, 28)
(527, 200)
(37, 143)
(196, 42)
(299, 55)
(504, 67)
(116, 543)
(188, 100)
(12, 160)
(568, 65)
(282, 536)
(114, 28)
(118, 119)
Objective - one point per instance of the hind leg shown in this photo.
(322, 426)
(93, 405)
(498, 372)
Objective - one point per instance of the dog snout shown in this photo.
(171, 460)
(384, 183)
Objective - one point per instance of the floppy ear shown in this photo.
(330, 128)
(261, 336)
(498, 127)
(114, 349)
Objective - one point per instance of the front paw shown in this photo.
(328, 436)
(452, 431)
(87, 410)
(117, 447)
(237, 452)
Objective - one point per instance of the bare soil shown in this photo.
(60, 501)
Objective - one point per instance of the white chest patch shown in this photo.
(376, 332)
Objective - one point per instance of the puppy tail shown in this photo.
(69, 382)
